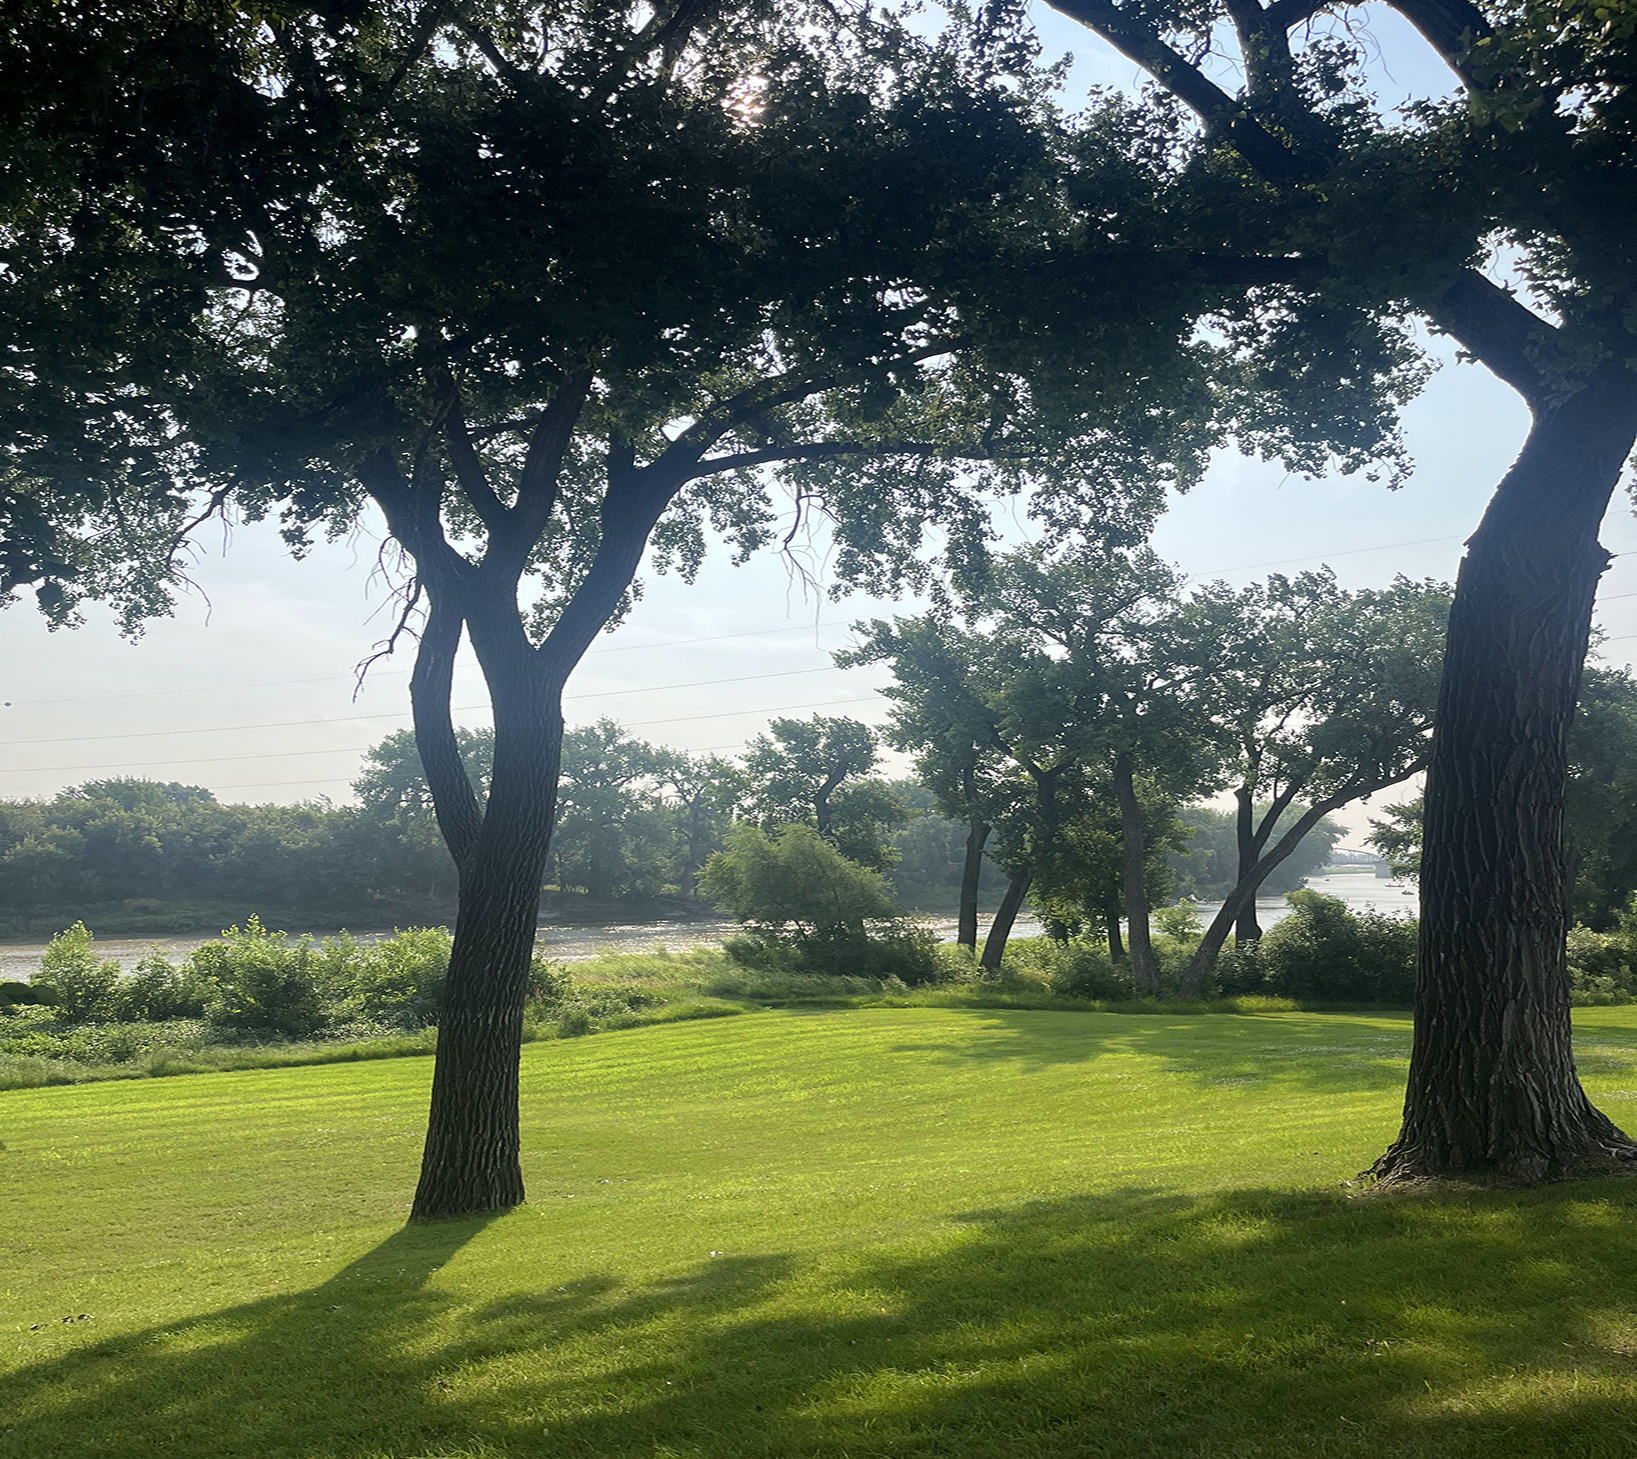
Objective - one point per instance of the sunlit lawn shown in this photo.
(853, 1233)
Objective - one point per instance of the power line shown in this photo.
(618, 648)
(400, 713)
(355, 749)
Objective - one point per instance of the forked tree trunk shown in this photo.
(1111, 921)
(1197, 978)
(994, 946)
(471, 1160)
(1492, 1086)
(1145, 968)
(966, 931)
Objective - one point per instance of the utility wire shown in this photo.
(399, 713)
(355, 749)
(618, 648)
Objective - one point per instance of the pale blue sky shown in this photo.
(207, 696)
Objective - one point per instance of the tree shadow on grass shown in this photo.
(1336, 1053)
(1137, 1322)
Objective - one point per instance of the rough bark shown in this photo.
(1145, 968)
(994, 946)
(966, 932)
(1246, 928)
(1492, 1089)
(1111, 920)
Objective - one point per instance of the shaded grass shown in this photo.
(881, 1232)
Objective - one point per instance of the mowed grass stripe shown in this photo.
(880, 1232)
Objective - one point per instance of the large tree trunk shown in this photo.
(472, 1141)
(966, 932)
(1246, 928)
(1145, 968)
(994, 946)
(1492, 1086)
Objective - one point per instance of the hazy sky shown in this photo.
(248, 689)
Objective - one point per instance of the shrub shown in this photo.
(1603, 965)
(84, 988)
(154, 992)
(810, 910)
(395, 980)
(263, 982)
(1078, 968)
(1326, 953)
(23, 995)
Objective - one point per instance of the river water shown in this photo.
(572, 943)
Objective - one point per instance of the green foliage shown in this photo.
(811, 910)
(793, 881)
(816, 772)
(84, 987)
(1323, 952)
(1206, 868)
(155, 991)
(1074, 969)
(263, 981)
(1180, 922)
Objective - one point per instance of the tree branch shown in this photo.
(1221, 113)
(469, 468)
(431, 685)
(1497, 330)
(1451, 27)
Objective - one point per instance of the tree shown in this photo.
(1207, 866)
(1109, 661)
(704, 795)
(610, 836)
(1599, 825)
(1320, 696)
(1538, 150)
(945, 683)
(794, 881)
(542, 290)
(817, 771)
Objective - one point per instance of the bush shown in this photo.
(1079, 968)
(155, 992)
(1325, 953)
(84, 988)
(1603, 965)
(809, 910)
(263, 982)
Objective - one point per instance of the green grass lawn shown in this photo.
(876, 1232)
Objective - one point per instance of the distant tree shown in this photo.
(1600, 801)
(1599, 807)
(703, 794)
(134, 792)
(817, 772)
(1206, 865)
(1322, 696)
(611, 837)
(1397, 836)
(946, 686)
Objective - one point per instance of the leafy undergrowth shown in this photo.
(895, 1233)
(614, 991)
